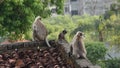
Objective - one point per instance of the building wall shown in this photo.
(92, 7)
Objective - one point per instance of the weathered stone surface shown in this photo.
(83, 63)
(95, 66)
(20, 45)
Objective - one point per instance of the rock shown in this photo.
(95, 66)
(83, 63)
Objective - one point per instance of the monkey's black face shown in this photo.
(80, 34)
(64, 31)
(40, 18)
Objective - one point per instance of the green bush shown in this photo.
(110, 63)
(73, 24)
(55, 25)
(95, 51)
(113, 63)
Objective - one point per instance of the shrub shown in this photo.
(113, 63)
(95, 51)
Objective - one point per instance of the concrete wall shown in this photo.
(92, 7)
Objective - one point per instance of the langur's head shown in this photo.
(64, 31)
(80, 34)
(37, 18)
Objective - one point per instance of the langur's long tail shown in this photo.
(71, 51)
(47, 42)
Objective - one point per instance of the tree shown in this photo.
(59, 4)
(112, 23)
(16, 16)
(100, 26)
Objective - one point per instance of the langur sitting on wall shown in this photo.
(62, 41)
(77, 46)
(39, 31)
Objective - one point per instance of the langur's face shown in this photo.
(64, 31)
(40, 18)
(80, 34)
